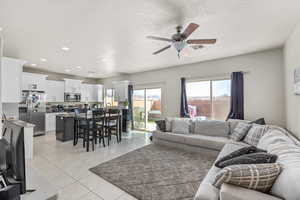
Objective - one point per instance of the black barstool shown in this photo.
(79, 129)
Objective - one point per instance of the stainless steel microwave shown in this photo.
(72, 97)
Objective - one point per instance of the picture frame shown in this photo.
(297, 81)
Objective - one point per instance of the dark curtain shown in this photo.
(237, 96)
(184, 110)
(130, 102)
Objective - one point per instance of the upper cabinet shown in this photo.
(91, 93)
(121, 90)
(72, 86)
(35, 82)
(55, 91)
(11, 79)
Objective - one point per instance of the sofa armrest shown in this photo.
(232, 192)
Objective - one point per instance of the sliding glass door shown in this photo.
(146, 108)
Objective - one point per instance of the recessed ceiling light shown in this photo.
(78, 67)
(43, 59)
(65, 48)
(67, 70)
(105, 59)
(33, 65)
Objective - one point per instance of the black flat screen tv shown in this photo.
(15, 154)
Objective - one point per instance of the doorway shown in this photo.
(146, 108)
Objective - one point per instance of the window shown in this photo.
(110, 97)
(209, 99)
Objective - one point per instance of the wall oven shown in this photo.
(72, 97)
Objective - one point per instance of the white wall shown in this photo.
(11, 110)
(292, 61)
(264, 84)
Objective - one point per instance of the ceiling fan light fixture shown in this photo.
(179, 45)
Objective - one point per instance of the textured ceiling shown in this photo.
(107, 37)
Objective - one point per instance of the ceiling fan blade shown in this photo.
(159, 38)
(161, 50)
(202, 41)
(190, 29)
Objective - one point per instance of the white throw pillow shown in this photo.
(168, 121)
(180, 126)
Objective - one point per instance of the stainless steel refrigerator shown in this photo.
(32, 109)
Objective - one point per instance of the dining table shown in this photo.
(88, 117)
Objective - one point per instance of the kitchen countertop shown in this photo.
(22, 123)
(68, 115)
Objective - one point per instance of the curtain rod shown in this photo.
(219, 75)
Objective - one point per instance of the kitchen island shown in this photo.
(65, 124)
(65, 127)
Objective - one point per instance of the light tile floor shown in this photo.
(67, 166)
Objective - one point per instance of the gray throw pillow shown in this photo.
(180, 126)
(255, 133)
(260, 121)
(161, 125)
(240, 131)
(260, 177)
(252, 158)
(237, 153)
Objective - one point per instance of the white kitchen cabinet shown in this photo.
(55, 91)
(32, 81)
(91, 93)
(121, 90)
(72, 86)
(11, 79)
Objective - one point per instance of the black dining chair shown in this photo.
(112, 124)
(98, 125)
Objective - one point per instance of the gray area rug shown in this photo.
(157, 172)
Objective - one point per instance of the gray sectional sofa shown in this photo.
(214, 135)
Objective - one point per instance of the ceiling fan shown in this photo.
(179, 39)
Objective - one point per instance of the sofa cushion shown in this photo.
(180, 126)
(255, 133)
(207, 191)
(204, 141)
(240, 131)
(233, 192)
(237, 153)
(278, 141)
(273, 137)
(169, 136)
(252, 158)
(212, 128)
(259, 177)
